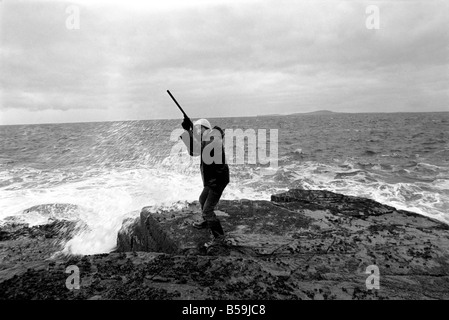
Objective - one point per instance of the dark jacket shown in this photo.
(215, 174)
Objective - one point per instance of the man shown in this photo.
(207, 142)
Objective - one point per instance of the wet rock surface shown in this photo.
(23, 247)
(303, 244)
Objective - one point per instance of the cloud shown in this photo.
(225, 58)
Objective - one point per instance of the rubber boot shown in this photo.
(216, 228)
(218, 235)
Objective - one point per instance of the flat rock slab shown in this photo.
(23, 247)
(258, 227)
(311, 234)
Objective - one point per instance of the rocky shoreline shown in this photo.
(303, 244)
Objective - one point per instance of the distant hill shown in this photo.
(271, 115)
(318, 112)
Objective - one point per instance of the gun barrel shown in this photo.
(185, 115)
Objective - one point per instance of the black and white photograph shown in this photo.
(224, 157)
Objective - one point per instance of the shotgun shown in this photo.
(185, 115)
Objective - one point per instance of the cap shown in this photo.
(202, 122)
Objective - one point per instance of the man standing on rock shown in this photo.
(207, 142)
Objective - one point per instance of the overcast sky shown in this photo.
(219, 58)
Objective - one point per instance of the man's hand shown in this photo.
(187, 124)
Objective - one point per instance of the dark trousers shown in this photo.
(208, 200)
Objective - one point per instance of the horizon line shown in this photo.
(254, 116)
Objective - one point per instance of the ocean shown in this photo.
(101, 173)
